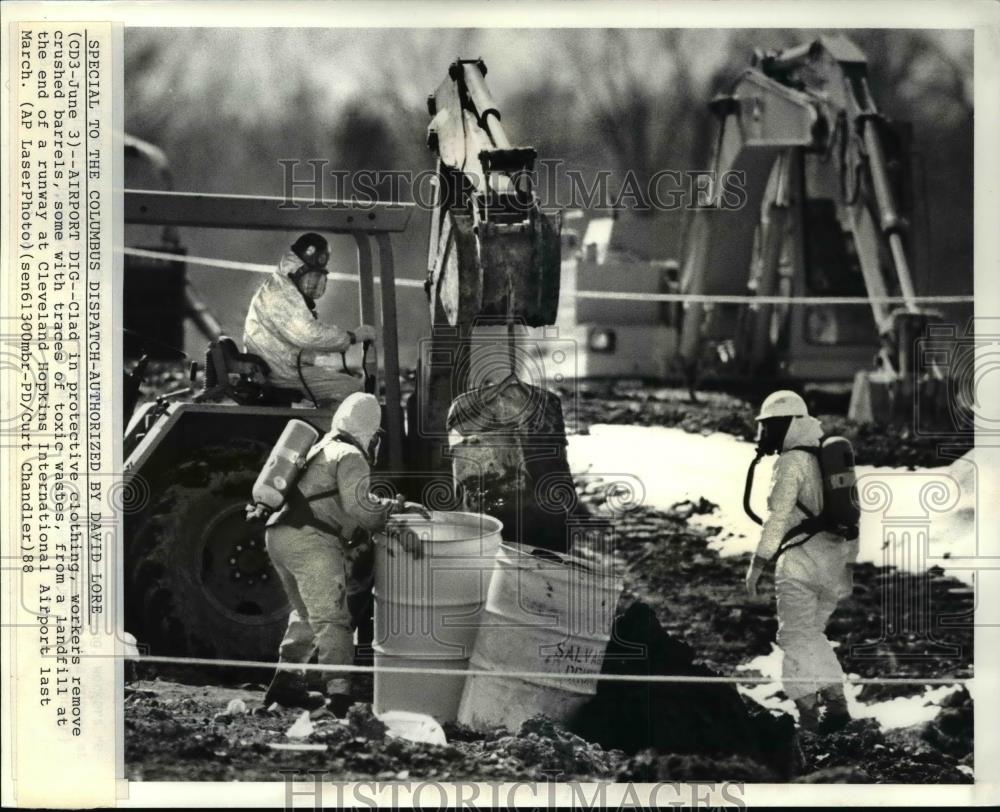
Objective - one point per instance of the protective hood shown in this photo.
(359, 417)
(803, 431)
(289, 263)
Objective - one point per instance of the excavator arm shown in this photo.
(760, 123)
(802, 114)
(493, 254)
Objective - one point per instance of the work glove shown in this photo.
(416, 507)
(408, 539)
(753, 576)
(257, 512)
(402, 506)
(364, 332)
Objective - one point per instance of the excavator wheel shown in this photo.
(198, 579)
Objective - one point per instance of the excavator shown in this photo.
(824, 180)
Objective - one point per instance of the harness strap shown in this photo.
(813, 523)
(299, 512)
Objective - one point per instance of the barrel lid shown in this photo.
(478, 524)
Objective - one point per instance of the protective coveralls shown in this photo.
(308, 541)
(282, 328)
(811, 578)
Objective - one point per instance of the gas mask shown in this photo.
(771, 434)
(311, 283)
(310, 278)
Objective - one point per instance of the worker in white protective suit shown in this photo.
(312, 542)
(282, 327)
(810, 577)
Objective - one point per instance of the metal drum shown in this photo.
(431, 582)
(548, 614)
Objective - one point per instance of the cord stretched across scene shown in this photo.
(546, 675)
(586, 294)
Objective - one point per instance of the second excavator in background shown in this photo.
(825, 212)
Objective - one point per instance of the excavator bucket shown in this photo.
(493, 251)
(503, 269)
(923, 377)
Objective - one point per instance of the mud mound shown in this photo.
(836, 775)
(953, 730)
(679, 718)
(650, 766)
(897, 757)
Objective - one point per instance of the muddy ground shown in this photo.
(177, 731)
(182, 732)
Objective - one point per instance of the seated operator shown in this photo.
(283, 329)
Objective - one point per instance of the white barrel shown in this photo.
(429, 600)
(545, 614)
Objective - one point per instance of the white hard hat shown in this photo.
(359, 415)
(783, 403)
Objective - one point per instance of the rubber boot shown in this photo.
(835, 714)
(808, 709)
(362, 609)
(289, 690)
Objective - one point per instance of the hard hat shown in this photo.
(359, 416)
(783, 403)
(313, 250)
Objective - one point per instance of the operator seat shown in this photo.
(242, 376)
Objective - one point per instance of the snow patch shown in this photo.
(901, 711)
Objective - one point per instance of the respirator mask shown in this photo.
(771, 434)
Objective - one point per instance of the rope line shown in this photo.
(806, 300)
(586, 294)
(254, 267)
(545, 675)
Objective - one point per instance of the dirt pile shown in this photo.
(650, 766)
(904, 756)
(860, 754)
(710, 719)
